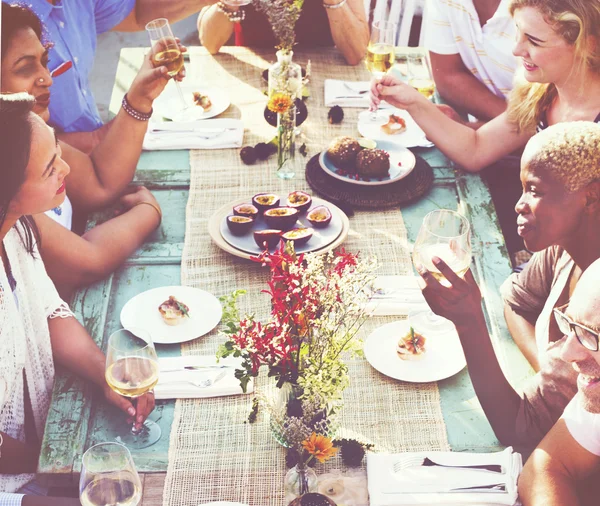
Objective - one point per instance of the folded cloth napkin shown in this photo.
(175, 382)
(347, 93)
(204, 134)
(422, 485)
(395, 295)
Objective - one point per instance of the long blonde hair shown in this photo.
(575, 21)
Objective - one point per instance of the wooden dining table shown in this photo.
(79, 417)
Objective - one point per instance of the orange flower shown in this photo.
(320, 446)
(279, 102)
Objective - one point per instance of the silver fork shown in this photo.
(202, 383)
(415, 461)
(408, 461)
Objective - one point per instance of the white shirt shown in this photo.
(453, 27)
(25, 344)
(583, 426)
(63, 214)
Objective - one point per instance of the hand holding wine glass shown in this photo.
(132, 371)
(108, 476)
(166, 51)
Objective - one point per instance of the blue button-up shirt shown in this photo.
(72, 26)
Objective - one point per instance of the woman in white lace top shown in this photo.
(37, 329)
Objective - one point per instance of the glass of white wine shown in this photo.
(108, 477)
(445, 234)
(381, 54)
(131, 371)
(420, 75)
(165, 51)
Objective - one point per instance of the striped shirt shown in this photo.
(453, 27)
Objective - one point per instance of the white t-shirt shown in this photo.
(62, 214)
(583, 426)
(453, 27)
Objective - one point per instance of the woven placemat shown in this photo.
(213, 453)
(409, 189)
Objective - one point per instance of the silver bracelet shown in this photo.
(335, 6)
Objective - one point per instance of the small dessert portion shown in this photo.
(299, 200)
(247, 210)
(239, 225)
(299, 236)
(264, 201)
(282, 218)
(395, 125)
(319, 217)
(202, 101)
(342, 151)
(411, 346)
(267, 238)
(173, 311)
(373, 163)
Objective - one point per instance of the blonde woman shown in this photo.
(559, 219)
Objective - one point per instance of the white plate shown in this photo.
(168, 104)
(321, 237)
(402, 162)
(444, 355)
(142, 312)
(412, 137)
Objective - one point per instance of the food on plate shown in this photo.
(299, 200)
(298, 236)
(202, 101)
(411, 346)
(264, 201)
(373, 163)
(395, 125)
(367, 143)
(239, 225)
(319, 217)
(270, 236)
(246, 210)
(342, 151)
(173, 311)
(282, 218)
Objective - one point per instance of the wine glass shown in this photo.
(131, 371)
(381, 55)
(165, 51)
(445, 234)
(108, 477)
(420, 75)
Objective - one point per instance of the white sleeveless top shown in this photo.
(25, 344)
(62, 214)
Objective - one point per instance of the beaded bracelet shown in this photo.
(156, 208)
(335, 6)
(234, 16)
(134, 113)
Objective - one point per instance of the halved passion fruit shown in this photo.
(270, 237)
(246, 210)
(239, 225)
(319, 217)
(264, 201)
(298, 236)
(299, 200)
(282, 218)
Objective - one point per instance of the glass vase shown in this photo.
(285, 405)
(300, 480)
(285, 78)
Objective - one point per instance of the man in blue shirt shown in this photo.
(72, 26)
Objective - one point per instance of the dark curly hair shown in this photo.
(15, 146)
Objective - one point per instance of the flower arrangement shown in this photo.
(317, 309)
(282, 16)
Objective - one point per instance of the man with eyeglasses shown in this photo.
(570, 452)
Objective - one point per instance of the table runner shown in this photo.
(214, 454)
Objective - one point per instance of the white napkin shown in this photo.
(205, 134)
(429, 485)
(173, 385)
(395, 295)
(346, 93)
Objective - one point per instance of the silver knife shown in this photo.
(196, 368)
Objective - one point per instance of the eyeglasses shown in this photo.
(587, 337)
